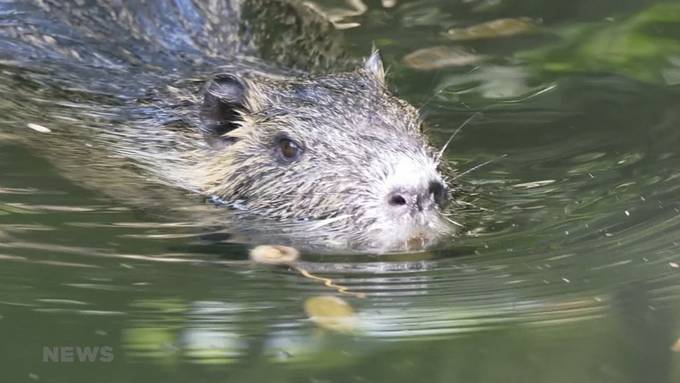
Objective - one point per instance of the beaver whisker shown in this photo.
(432, 97)
(476, 167)
(321, 222)
(455, 133)
(476, 206)
(452, 221)
(239, 206)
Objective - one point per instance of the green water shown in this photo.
(567, 269)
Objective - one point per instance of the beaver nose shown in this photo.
(419, 199)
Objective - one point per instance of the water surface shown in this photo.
(567, 269)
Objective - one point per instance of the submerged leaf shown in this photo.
(492, 29)
(439, 57)
(642, 46)
(676, 346)
(330, 312)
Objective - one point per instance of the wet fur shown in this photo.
(147, 128)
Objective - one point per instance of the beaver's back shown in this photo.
(116, 81)
(156, 35)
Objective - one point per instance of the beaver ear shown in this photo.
(374, 66)
(223, 99)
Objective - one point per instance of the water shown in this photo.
(568, 271)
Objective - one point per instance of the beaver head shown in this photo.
(338, 152)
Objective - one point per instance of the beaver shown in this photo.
(288, 147)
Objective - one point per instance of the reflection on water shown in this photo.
(568, 269)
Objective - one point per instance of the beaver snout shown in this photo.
(416, 199)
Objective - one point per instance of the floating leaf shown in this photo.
(274, 255)
(38, 128)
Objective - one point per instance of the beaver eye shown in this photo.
(288, 149)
